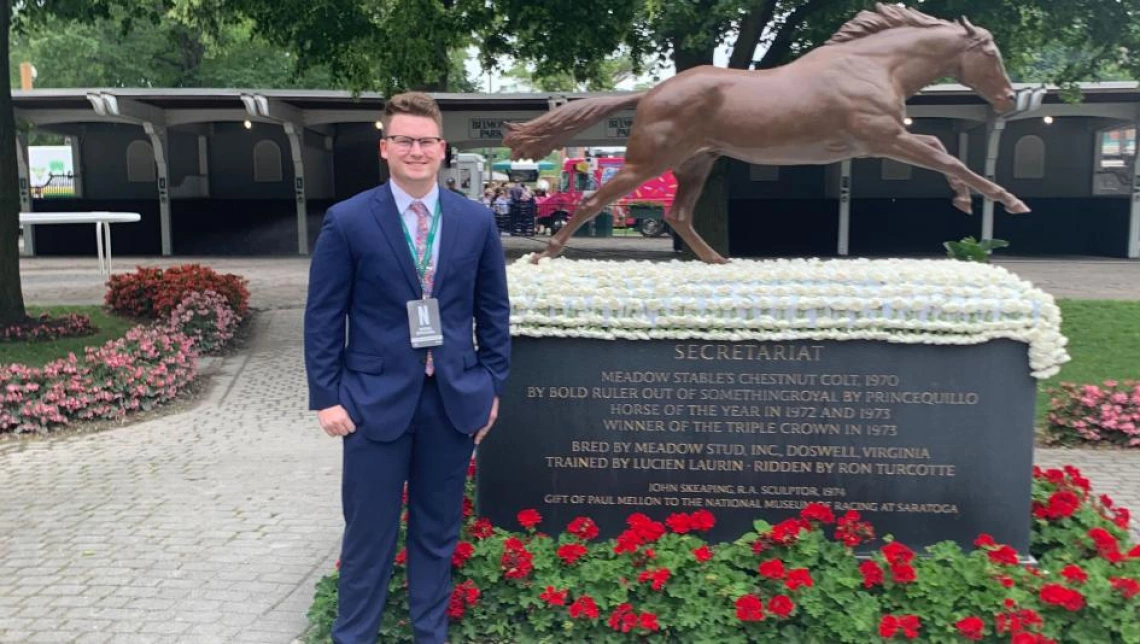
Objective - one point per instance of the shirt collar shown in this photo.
(404, 200)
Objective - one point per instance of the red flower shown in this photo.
(658, 577)
(910, 624)
(402, 557)
(1062, 503)
(1073, 573)
(888, 626)
(971, 628)
(628, 541)
(1121, 517)
(1058, 595)
(1016, 621)
(851, 531)
(702, 521)
(570, 553)
(703, 553)
(517, 562)
(1005, 580)
(781, 605)
(1003, 555)
(463, 552)
(679, 523)
(554, 597)
(481, 529)
(584, 606)
(471, 469)
(1127, 586)
(462, 597)
(749, 608)
(817, 512)
(772, 569)
(645, 528)
(896, 553)
(872, 574)
(623, 618)
(787, 531)
(902, 573)
(798, 577)
(338, 564)
(468, 507)
(1106, 544)
(584, 528)
(529, 518)
(984, 541)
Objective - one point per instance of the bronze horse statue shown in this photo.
(842, 100)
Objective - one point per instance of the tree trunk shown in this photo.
(11, 295)
(710, 217)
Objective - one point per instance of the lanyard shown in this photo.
(423, 262)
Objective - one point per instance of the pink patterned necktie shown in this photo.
(423, 223)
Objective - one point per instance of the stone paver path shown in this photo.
(213, 525)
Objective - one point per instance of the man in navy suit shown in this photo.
(408, 268)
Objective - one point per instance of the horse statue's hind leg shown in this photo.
(631, 175)
(691, 175)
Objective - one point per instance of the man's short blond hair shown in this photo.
(413, 104)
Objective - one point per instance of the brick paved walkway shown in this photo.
(209, 526)
(213, 525)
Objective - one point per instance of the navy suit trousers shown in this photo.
(432, 456)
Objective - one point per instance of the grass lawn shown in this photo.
(1104, 343)
(36, 354)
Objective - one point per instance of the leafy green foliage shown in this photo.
(972, 250)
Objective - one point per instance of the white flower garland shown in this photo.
(891, 300)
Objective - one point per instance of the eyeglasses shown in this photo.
(405, 143)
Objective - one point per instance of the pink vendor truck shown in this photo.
(643, 208)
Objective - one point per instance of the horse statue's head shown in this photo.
(980, 68)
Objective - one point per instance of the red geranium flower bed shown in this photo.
(796, 581)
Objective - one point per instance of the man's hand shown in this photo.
(490, 421)
(335, 421)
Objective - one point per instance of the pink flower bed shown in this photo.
(1108, 413)
(46, 328)
(146, 367)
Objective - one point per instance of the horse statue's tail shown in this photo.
(539, 137)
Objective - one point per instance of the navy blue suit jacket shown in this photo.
(362, 275)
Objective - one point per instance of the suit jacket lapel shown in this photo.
(392, 230)
(449, 232)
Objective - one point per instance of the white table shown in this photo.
(101, 219)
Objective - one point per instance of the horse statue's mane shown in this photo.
(884, 17)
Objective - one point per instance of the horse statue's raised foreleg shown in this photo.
(691, 175)
(962, 199)
(912, 149)
(624, 182)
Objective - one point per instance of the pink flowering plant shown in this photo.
(1108, 413)
(796, 581)
(46, 328)
(144, 368)
(207, 318)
